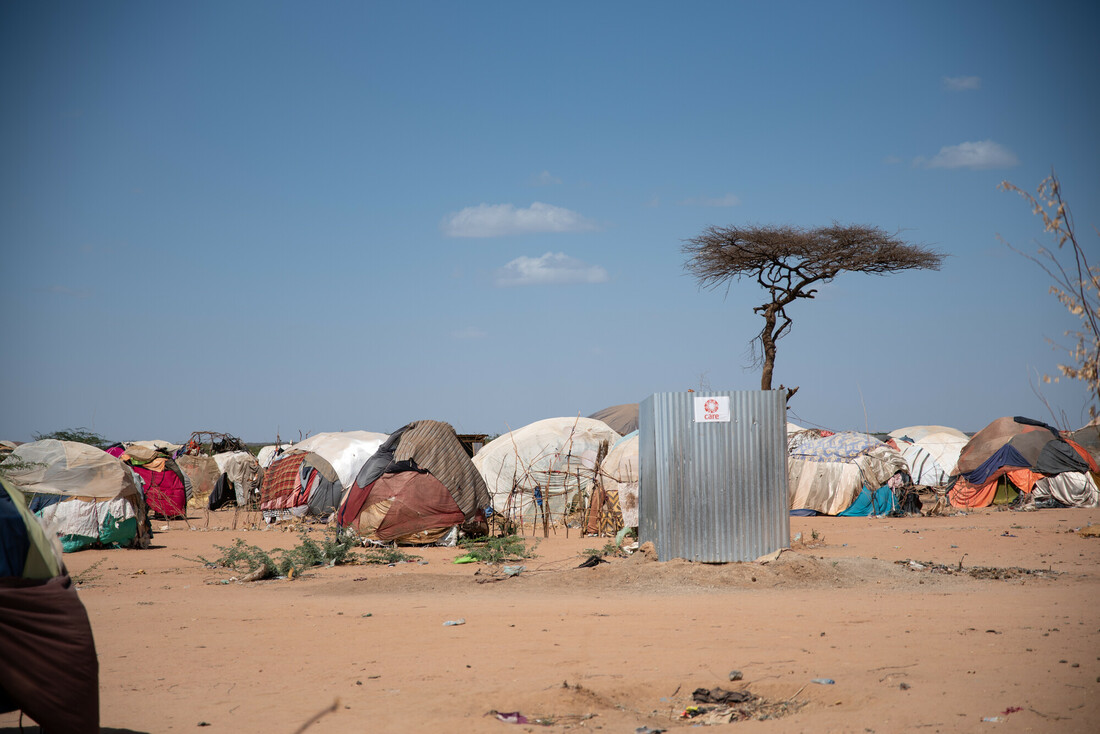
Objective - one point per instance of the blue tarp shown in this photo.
(872, 504)
(1004, 456)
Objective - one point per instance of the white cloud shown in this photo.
(982, 155)
(553, 268)
(724, 201)
(962, 83)
(545, 179)
(498, 220)
(469, 333)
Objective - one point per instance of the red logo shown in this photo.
(711, 406)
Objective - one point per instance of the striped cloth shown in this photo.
(435, 448)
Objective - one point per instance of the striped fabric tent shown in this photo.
(415, 488)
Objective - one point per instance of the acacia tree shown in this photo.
(788, 262)
(1076, 285)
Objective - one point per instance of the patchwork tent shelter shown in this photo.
(87, 496)
(614, 502)
(930, 451)
(622, 419)
(165, 487)
(50, 670)
(826, 473)
(418, 485)
(311, 476)
(229, 477)
(1009, 456)
(537, 471)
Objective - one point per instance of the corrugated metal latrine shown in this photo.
(713, 474)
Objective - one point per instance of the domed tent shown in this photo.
(538, 470)
(614, 502)
(87, 495)
(930, 451)
(622, 419)
(311, 476)
(1009, 456)
(415, 488)
(826, 473)
(164, 486)
(44, 628)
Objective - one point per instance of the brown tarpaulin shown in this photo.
(48, 663)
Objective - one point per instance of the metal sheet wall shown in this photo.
(713, 492)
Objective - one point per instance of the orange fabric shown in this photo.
(965, 494)
(1084, 455)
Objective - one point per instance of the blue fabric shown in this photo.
(872, 504)
(803, 512)
(14, 541)
(1004, 456)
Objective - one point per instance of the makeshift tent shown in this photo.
(622, 419)
(418, 485)
(86, 495)
(230, 477)
(164, 486)
(48, 663)
(311, 476)
(930, 451)
(345, 451)
(1012, 454)
(614, 502)
(535, 472)
(827, 472)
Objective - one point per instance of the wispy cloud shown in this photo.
(545, 179)
(978, 156)
(962, 83)
(469, 333)
(499, 220)
(891, 160)
(553, 268)
(721, 201)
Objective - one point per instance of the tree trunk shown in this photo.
(767, 344)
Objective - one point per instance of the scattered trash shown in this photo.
(1006, 534)
(514, 717)
(823, 681)
(368, 614)
(904, 686)
(993, 719)
(422, 563)
(1012, 710)
(454, 622)
(465, 559)
(720, 695)
(916, 566)
(205, 723)
(736, 675)
(513, 570)
(647, 730)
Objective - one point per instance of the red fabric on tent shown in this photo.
(281, 481)
(419, 502)
(164, 491)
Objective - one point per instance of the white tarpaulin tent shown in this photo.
(346, 451)
(619, 473)
(535, 471)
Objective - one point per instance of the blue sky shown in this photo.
(302, 217)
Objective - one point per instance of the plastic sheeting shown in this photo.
(827, 473)
(535, 471)
(1076, 489)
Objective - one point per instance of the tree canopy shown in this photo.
(788, 262)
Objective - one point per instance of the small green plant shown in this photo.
(814, 535)
(79, 435)
(386, 556)
(497, 550)
(88, 575)
(610, 548)
(333, 550)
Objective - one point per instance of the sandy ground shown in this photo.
(182, 647)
